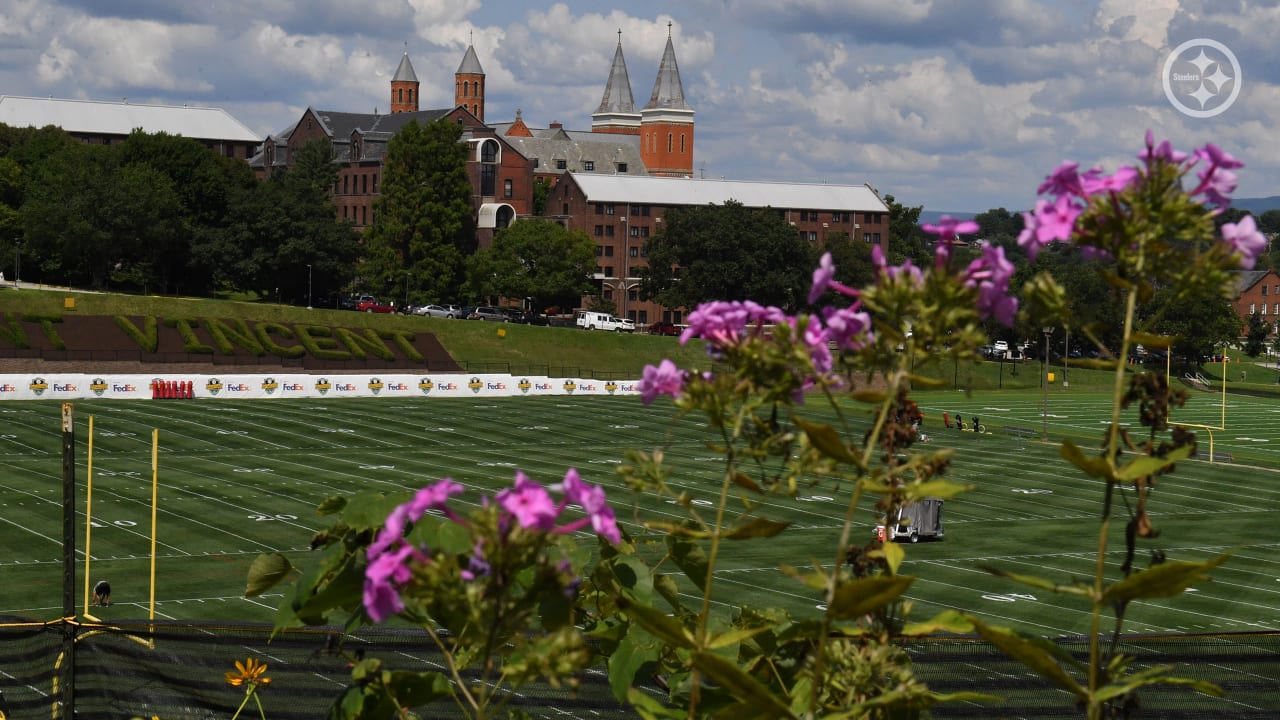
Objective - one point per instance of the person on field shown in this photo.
(102, 593)
(975, 423)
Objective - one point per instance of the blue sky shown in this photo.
(956, 105)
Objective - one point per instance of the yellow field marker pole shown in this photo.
(155, 486)
(88, 522)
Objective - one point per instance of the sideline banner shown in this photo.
(77, 386)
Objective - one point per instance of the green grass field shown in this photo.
(240, 478)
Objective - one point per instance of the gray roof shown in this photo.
(121, 118)
(405, 72)
(668, 92)
(646, 190)
(603, 150)
(470, 63)
(617, 92)
(1246, 279)
(340, 125)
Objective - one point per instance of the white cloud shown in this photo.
(114, 54)
(1145, 21)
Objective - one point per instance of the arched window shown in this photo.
(466, 88)
(488, 167)
(410, 96)
(400, 95)
(669, 138)
(681, 143)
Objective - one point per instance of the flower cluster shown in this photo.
(526, 506)
(1073, 190)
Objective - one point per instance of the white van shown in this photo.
(920, 519)
(588, 320)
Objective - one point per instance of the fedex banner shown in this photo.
(76, 386)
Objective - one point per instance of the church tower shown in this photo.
(666, 123)
(468, 89)
(617, 111)
(404, 87)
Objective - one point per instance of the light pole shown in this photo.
(1066, 353)
(1044, 415)
(17, 261)
(308, 286)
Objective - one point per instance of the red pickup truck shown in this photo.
(372, 305)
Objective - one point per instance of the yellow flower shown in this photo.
(251, 671)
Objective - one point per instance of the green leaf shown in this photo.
(1149, 341)
(813, 581)
(649, 708)
(922, 381)
(1167, 579)
(741, 685)
(857, 598)
(944, 489)
(893, 555)
(1031, 654)
(332, 505)
(950, 621)
(735, 636)
(661, 625)
(1092, 466)
(872, 397)
(1154, 676)
(757, 528)
(267, 570)
(666, 586)
(743, 480)
(634, 577)
(1143, 465)
(1037, 582)
(689, 557)
(827, 441)
(627, 663)
(413, 689)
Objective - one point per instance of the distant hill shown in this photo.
(933, 216)
(1257, 206)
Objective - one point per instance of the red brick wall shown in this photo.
(1254, 299)
(667, 148)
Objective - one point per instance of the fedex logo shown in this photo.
(397, 386)
(114, 388)
(627, 387)
(448, 386)
(237, 387)
(64, 388)
(587, 387)
(8, 388)
(344, 387)
(292, 386)
(495, 386)
(542, 386)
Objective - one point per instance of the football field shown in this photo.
(240, 478)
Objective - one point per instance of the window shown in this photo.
(633, 294)
(561, 164)
(634, 210)
(609, 209)
(1253, 308)
(488, 179)
(813, 236)
(410, 96)
(608, 294)
(608, 231)
(1275, 310)
(345, 180)
(635, 231)
(599, 248)
(506, 189)
(489, 151)
(537, 163)
(669, 139)
(599, 208)
(364, 184)
(564, 209)
(632, 315)
(588, 165)
(681, 143)
(622, 167)
(466, 88)
(1264, 309)
(608, 270)
(644, 316)
(375, 183)
(400, 95)
(599, 231)
(644, 231)
(634, 251)
(644, 210)
(866, 237)
(364, 214)
(608, 251)
(1264, 291)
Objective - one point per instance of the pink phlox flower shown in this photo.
(665, 379)
(1218, 157)
(1048, 222)
(849, 327)
(1094, 181)
(1064, 180)
(991, 274)
(1216, 181)
(1164, 151)
(818, 343)
(947, 229)
(477, 566)
(824, 279)
(594, 503)
(721, 323)
(391, 533)
(1245, 240)
(434, 497)
(894, 271)
(384, 577)
(529, 503)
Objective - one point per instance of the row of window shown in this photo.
(361, 218)
(357, 184)
(607, 251)
(839, 216)
(1254, 308)
(587, 165)
(636, 231)
(652, 138)
(635, 210)
(1264, 291)
(400, 95)
(468, 86)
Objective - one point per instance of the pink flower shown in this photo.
(815, 338)
(721, 323)
(824, 279)
(1093, 181)
(1164, 151)
(893, 271)
(1048, 222)
(1216, 181)
(848, 327)
(1065, 180)
(529, 503)
(947, 229)
(665, 379)
(431, 497)
(384, 577)
(1245, 240)
(477, 565)
(593, 501)
(991, 274)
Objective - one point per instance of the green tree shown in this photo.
(906, 240)
(540, 192)
(852, 259)
(1202, 323)
(537, 259)
(998, 225)
(1256, 331)
(726, 252)
(422, 226)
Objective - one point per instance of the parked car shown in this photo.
(589, 320)
(451, 312)
(371, 305)
(663, 328)
(515, 315)
(491, 314)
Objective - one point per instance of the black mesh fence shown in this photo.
(175, 671)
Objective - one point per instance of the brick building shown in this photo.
(104, 123)
(620, 212)
(1258, 291)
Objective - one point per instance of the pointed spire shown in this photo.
(617, 92)
(405, 72)
(470, 63)
(668, 92)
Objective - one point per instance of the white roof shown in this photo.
(122, 118)
(646, 190)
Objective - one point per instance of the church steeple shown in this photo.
(666, 123)
(404, 87)
(468, 88)
(617, 111)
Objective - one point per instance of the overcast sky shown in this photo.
(952, 104)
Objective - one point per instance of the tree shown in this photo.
(1256, 332)
(726, 252)
(999, 226)
(422, 222)
(906, 239)
(537, 259)
(1201, 324)
(852, 259)
(540, 192)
